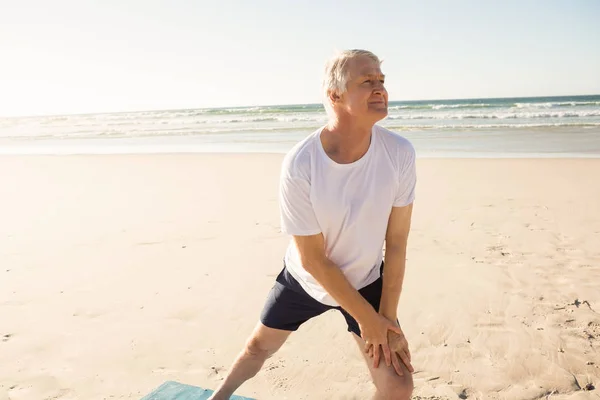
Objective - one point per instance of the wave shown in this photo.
(241, 120)
(476, 105)
(436, 106)
(251, 119)
(128, 134)
(491, 126)
(263, 110)
(318, 108)
(557, 104)
(186, 131)
(507, 105)
(528, 115)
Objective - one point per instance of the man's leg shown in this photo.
(261, 345)
(388, 383)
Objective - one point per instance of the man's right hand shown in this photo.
(375, 334)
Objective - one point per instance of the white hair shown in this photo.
(336, 72)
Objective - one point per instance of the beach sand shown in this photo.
(118, 273)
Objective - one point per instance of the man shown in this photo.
(344, 191)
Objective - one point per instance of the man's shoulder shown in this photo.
(299, 156)
(395, 142)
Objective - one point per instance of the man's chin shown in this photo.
(380, 112)
(379, 108)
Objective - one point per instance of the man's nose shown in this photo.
(378, 88)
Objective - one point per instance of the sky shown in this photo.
(84, 56)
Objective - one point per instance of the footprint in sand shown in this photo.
(493, 327)
(164, 371)
(593, 330)
(275, 365)
(16, 392)
(6, 337)
(215, 370)
(282, 383)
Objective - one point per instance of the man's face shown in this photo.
(365, 96)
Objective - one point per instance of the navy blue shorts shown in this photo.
(288, 305)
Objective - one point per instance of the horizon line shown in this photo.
(281, 104)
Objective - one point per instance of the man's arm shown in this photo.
(374, 327)
(298, 219)
(312, 255)
(395, 260)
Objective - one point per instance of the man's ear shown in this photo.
(333, 97)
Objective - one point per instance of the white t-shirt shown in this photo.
(349, 203)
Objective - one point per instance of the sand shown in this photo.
(118, 273)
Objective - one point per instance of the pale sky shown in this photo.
(79, 56)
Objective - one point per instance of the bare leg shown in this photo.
(388, 383)
(261, 345)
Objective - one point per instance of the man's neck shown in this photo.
(345, 141)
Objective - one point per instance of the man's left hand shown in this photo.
(399, 352)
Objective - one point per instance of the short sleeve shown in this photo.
(297, 214)
(407, 181)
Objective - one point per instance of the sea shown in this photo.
(532, 127)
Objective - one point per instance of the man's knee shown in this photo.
(258, 348)
(396, 387)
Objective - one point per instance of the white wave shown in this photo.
(473, 105)
(490, 126)
(441, 106)
(557, 104)
(506, 115)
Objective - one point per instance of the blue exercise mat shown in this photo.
(178, 391)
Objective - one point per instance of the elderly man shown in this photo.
(344, 191)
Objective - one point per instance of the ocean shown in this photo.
(567, 126)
